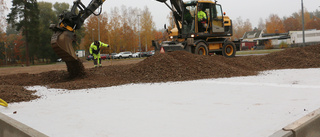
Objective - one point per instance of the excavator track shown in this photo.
(61, 42)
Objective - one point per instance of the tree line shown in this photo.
(276, 24)
(122, 29)
(27, 36)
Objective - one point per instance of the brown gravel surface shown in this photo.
(174, 66)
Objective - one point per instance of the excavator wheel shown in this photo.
(201, 49)
(229, 49)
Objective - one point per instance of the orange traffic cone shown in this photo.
(162, 50)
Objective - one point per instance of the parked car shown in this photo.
(143, 54)
(126, 54)
(104, 56)
(59, 60)
(89, 57)
(136, 55)
(111, 56)
(150, 53)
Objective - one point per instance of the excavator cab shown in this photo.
(217, 24)
(188, 23)
(213, 24)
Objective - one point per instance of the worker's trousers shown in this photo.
(97, 60)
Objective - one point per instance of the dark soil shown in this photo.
(174, 66)
(75, 68)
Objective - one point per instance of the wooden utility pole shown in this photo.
(26, 32)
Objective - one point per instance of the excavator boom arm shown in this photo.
(75, 20)
(177, 10)
(177, 6)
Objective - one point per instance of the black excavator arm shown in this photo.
(177, 9)
(73, 19)
(61, 40)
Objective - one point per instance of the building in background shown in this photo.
(247, 41)
(259, 40)
(312, 37)
(273, 40)
(80, 53)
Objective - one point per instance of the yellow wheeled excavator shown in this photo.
(208, 33)
(64, 33)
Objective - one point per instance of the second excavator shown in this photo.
(201, 27)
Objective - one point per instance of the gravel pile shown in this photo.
(174, 66)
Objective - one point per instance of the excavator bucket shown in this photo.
(162, 0)
(61, 42)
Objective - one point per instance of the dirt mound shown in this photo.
(75, 68)
(307, 57)
(174, 66)
(11, 93)
(181, 65)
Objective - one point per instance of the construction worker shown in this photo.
(94, 51)
(202, 17)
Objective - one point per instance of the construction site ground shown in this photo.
(174, 66)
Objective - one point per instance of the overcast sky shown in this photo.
(246, 9)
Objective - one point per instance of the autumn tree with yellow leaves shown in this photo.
(274, 24)
(120, 29)
(240, 27)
